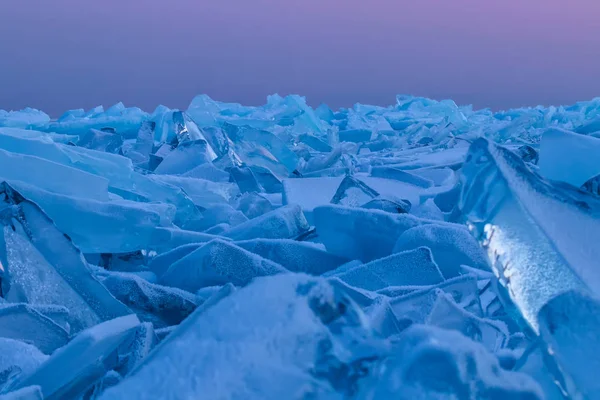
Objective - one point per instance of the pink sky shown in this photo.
(64, 54)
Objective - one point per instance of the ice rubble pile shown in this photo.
(275, 252)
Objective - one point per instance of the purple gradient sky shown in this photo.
(61, 54)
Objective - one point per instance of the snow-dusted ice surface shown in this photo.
(423, 250)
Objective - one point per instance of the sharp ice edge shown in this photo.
(164, 255)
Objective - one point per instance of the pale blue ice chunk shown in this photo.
(218, 229)
(310, 193)
(56, 178)
(359, 233)
(536, 363)
(439, 176)
(22, 322)
(152, 188)
(245, 179)
(26, 118)
(589, 127)
(71, 114)
(165, 239)
(429, 210)
(58, 314)
(202, 110)
(446, 314)
(353, 193)
(356, 135)
(416, 306)
(161, 263)
(263, 148)
(343, 268)
(569, 157)
(139, 151)
(26, 393)
(207, 172)
(16, 353)
(447, 199)
(254, 205)
(162, 333)
(202, 192)
(125, 121)
(324, 113)
(163, 306)
(293, 255)
(184, 158)
(382, 318)
(433, 363)
(314, 142)
(541, 239)
(452, 157)
(45, 268)
(265, 355)
(80, 362)
(217, 263)
(388, 204)
(399, 175)
(569, 325)
(110, 379)
(101, 227)
(415, 267)
(43, 136)
(323, 162)
(101, 141)
(283, 223)
(451, 245)
(143, 342)
(220, 213)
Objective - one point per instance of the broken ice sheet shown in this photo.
(451, 245)
(26, 393)
(415, 306)
(282, 223)
(84, 360)
(353, 193)
(18, 356)
(45, 268)
(101, 227)
(448, 315)
(216, 263)
(362, 234)
(300, 344)
(434, 363)
(23, 322)
(293, 255)
(184, 158)
(415, 267)
(155, 303)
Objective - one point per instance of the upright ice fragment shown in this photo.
(45, 268)
(569, 157)
(541, 241)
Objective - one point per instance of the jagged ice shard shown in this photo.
(424, 250)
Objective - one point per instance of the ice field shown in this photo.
(418, 251)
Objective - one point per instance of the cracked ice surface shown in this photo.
(423, 250)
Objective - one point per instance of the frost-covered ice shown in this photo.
(423, 250)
